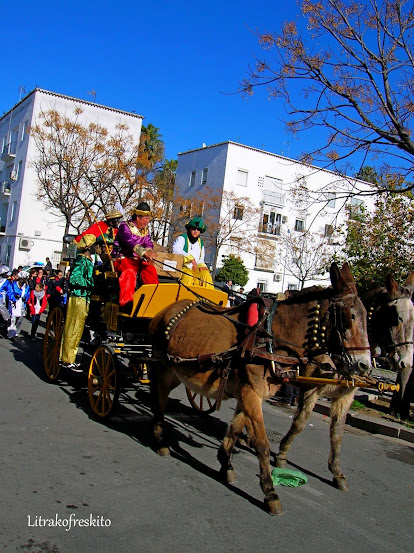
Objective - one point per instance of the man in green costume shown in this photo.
(80, 285)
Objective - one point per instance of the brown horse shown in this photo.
(320, 327)
(390, 327)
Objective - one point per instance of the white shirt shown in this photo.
(193, 249)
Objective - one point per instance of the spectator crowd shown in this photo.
(27, 293)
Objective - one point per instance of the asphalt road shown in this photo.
(58, 462)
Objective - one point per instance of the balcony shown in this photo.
(274, 198)
(272, 230)
(5, 188)
(9, 151)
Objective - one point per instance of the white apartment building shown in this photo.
(29, 232)
(270, 182)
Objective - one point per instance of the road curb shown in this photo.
(370, 424)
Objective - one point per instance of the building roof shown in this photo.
(269, 154)
(77, 100)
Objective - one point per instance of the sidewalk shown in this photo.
(369, 424)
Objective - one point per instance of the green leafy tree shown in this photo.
(233, 269)
(383, 242)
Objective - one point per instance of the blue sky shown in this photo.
(168, 61)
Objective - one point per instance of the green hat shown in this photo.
(197, 223)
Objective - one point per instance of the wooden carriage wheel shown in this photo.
(203, 404)
(103, 385)
(51, 343)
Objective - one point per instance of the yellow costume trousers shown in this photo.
(200, 277)
(76, 314)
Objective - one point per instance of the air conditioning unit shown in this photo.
(284, 219)
(13, 174)
(25, 244)
(277, 278)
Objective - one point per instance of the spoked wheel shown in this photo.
(204, 405)
(51, 343)
(103, 385)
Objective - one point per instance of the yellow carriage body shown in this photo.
(150, 299)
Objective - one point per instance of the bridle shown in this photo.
(339, 315)
(389, 347)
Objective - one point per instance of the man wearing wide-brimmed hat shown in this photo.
(137, 250)
(80, 285)
(191, 246)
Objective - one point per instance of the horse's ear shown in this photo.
(392, 286)
(348, 276)
(341, 279)
(409, 283)
(336, 277)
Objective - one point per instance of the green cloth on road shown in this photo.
(288, 477)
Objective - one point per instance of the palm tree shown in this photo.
(153, 144)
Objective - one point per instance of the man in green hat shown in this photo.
(191, 246)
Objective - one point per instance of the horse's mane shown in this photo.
(308, 294)
(378, 296)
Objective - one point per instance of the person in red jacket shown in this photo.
(37, 304)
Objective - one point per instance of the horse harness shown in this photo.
(390, 317)
(260, 343)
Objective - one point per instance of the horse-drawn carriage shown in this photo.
(317, 338)
(118, 335)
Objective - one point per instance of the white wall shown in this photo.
(223, 162)
(43, 228)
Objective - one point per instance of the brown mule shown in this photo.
(390, 327)
(318, 327)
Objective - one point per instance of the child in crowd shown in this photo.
(37, 304)
(18, 292)
(4, 273)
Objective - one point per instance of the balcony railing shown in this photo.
(5, 188)
(275, 198)
(274, 230)
(9, 151)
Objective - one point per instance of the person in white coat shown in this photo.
(191, 246)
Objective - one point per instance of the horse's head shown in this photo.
(344, 325)
(391, 323)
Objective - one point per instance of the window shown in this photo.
(186, 208)
(328, 230)
(262, 285)
(13, 211)
(204, 176)
(23, 130)
(299, 225)
(272, 191)
(238, 213)
(292, 286)
(192, 178)
(331, 199)
(271, 222)
(19, 169)
(241, 177)
(356, 209)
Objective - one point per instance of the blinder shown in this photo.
(387, 316)
(340, 316)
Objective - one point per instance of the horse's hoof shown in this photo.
(163, 451)
(273, 507)
(281, 463)
(340, 483)
(231, 477)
